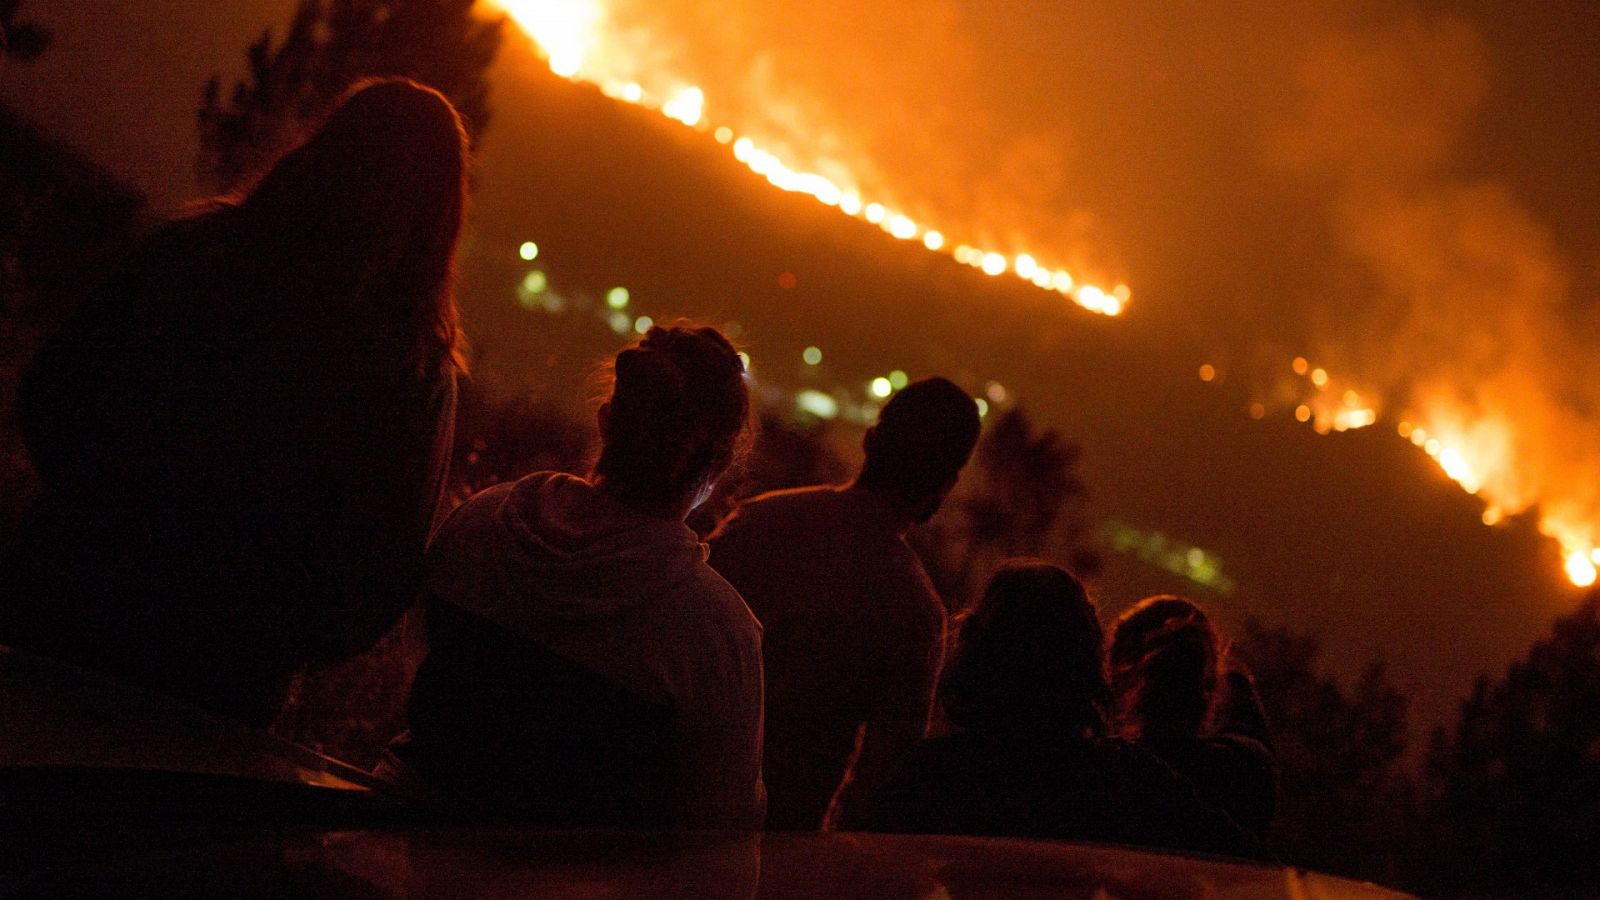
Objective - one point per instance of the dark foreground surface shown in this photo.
(486, 861)
(109, 791)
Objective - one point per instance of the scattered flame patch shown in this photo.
(1476, 452)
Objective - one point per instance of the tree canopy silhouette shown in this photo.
(1021, 496)
(1344, 790)
(1535, 734)
(329, 45)
(1520, 777)
(20, 40)
(1334, 743)
(1028, 476)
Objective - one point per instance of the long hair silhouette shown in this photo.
(1028, 657)
(367, 211)
(1164, 655)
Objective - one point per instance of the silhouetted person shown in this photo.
(583, 658)
(1165, 658)
(853, 630)
(1029, 756)
(244, 437)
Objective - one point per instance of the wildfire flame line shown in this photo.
(568, 31)
(1474, 454)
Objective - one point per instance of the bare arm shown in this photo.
(901, 716)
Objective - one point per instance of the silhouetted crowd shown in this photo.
(244, 443)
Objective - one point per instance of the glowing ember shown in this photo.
(564, 28)
(1581, 569)
(688, 106)
(572, 35)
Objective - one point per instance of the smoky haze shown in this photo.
(1389, 189)
(1328, 180)
(1402, 192)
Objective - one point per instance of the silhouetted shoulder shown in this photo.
(814, 497)
(724, 603)
(787, 509)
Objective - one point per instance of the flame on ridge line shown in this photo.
(1473, 454)
(1477, 455)
(568, 30)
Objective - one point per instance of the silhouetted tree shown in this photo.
(1535, 734)
(1346, 802)
(1333, 744)
(1021, 496)
(20, 39)
(1026, 479)
(1520, 777)
(329, 45)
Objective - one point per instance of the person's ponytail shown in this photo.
(679, 415)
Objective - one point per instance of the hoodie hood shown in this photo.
(552, 546)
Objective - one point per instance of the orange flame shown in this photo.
(1476, 452)
(572, 35)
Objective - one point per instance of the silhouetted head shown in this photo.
(370, 207)
(924, 435)
(1028, 657)
(1164, 657)
(677, 417)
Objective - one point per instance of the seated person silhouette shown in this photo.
(584, 661)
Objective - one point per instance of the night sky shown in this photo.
(1403, 192)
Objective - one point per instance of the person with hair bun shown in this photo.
(1030, 754)
(584, 661)
(1166, 658)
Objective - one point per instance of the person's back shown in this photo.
(854, 631)
(585, 663)
(584, 659)
(1057, 787)
(1232, 771)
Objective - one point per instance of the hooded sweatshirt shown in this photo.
(582, 655)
